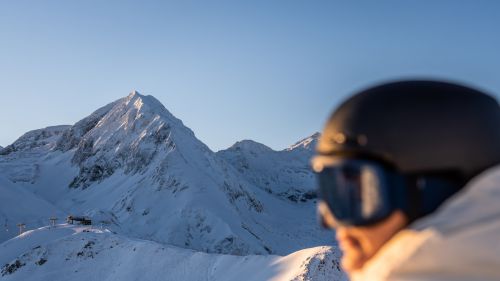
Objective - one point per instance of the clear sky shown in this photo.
(270, 71)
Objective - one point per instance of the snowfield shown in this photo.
(139, 172)
(79, 253)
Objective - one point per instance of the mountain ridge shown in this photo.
(132, 163)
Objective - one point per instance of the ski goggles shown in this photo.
(355, 192)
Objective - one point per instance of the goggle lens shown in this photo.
(355, 191)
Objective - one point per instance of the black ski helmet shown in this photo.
(419, 127)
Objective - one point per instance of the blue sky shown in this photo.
(270, 71)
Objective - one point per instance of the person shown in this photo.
(407, 178)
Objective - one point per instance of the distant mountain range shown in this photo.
(135, 169)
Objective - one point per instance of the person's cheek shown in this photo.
(353, 255)
(352, 259)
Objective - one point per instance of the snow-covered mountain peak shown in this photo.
(308, 143)
(133, 114)
(45, 139)
(251, 146)
(284, 173)
(141, 105)
(128, 133)
(133, 93)
(137, 100)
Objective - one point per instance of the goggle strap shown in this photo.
(413, 199)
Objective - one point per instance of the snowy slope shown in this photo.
(21, 206)
(76, 253)
(18, 162)
(135, 168)
(285, 173)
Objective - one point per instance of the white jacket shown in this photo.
(460, 241)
